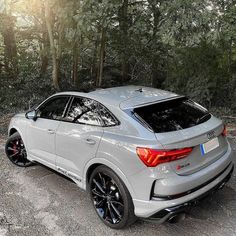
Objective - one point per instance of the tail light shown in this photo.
(152, 157)
(224, 132)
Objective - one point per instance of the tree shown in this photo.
(187, 46)
(8, 33)
(55, 46)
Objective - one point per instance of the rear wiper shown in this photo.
(200, 120)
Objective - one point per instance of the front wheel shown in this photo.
(111, 198)
(16, 152)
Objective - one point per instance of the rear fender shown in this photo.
(109, 164)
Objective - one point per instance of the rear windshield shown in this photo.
(172, 115)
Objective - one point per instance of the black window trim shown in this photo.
(52, 98)
(100, 104)
(142, 122)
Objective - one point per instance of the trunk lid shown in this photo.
(179, 123)
(210, 131)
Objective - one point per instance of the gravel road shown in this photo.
(37, 201)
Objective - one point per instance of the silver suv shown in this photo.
(140, 152)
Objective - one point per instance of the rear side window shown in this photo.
(107, 117)
(176, 114)
(84, 111)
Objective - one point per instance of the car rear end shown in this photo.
(193, 157)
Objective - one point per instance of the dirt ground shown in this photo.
(37, 201)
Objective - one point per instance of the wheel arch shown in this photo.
(12, 131)
(90, 171)
(94, 163)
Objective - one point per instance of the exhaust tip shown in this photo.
(176, 218)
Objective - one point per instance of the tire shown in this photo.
(110, 198)
(16, 152)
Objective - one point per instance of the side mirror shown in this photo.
(31, 115)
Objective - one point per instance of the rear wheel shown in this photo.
(111, 198)
(16, 152)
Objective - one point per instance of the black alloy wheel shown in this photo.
(111, 198)
(16, 152)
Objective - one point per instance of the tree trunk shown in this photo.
(44, 65)
(157, 74)
(75, 65)
(123, 23)
(44, 50)
(94, 60)
(55, 59)
(10, 49)
(101, 58)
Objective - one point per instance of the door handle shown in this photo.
(51, 131)
(90, 141)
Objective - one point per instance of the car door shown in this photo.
(41, 133)
(78, 137)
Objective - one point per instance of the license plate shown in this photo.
(209, 146)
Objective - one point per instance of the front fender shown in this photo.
(19, 124)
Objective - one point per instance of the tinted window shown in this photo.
(107, 117)
(84, 111)
(54, 108)
(173, 115)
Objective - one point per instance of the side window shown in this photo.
(84, 111)
(107, 117)
(53, 109)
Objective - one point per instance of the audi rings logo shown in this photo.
(211, 135)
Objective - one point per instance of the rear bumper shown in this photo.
(182, 194)
(157, 209)
(167, 213)
(175, 186)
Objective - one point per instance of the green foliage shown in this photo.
(187, 46)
